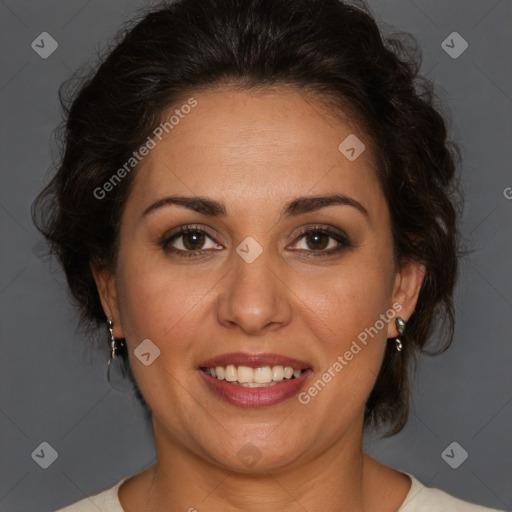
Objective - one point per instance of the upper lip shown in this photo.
(254, 360)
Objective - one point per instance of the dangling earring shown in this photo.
(112, 340)
(116, 346)
(400, 327)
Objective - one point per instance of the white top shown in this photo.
(419, 499)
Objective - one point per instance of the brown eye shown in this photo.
(320, 241)
(317, 240)
(193, 241)
(189, 241)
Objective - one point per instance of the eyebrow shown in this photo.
(297, 206)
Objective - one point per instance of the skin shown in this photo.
(255, 151)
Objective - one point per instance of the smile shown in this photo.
(248, 377)
(254, 380)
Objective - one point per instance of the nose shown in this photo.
(255, 297)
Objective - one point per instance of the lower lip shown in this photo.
(255, 397)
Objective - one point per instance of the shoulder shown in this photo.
(106, 501)
(425, 499)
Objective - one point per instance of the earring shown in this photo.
(116, 346)
(112, 340)
(400, 327)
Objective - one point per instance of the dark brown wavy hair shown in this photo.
(328, 47)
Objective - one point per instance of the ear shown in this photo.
(408, 281)
(105, 282)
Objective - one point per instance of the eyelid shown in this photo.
(337, 234)
(332, 232)
(166, 240)
(187, 228)
(321, 227)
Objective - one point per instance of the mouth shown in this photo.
(254, 380)
(245, 376)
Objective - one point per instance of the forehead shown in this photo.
(247, 145)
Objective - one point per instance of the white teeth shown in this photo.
(245, 374)
(256, 384)
(262, 375)
(277, 373)
(231, 374)
(253, 377)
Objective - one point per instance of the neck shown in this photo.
(336, 479)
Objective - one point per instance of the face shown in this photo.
(265, 279)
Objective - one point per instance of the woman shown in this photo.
(257, 198)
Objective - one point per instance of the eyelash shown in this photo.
(342, 239)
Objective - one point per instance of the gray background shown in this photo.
(53, 386)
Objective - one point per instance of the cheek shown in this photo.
(155, 303)
(351, 297)
(157, 306)
(350, 312)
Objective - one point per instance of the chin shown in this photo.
(242, 455)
